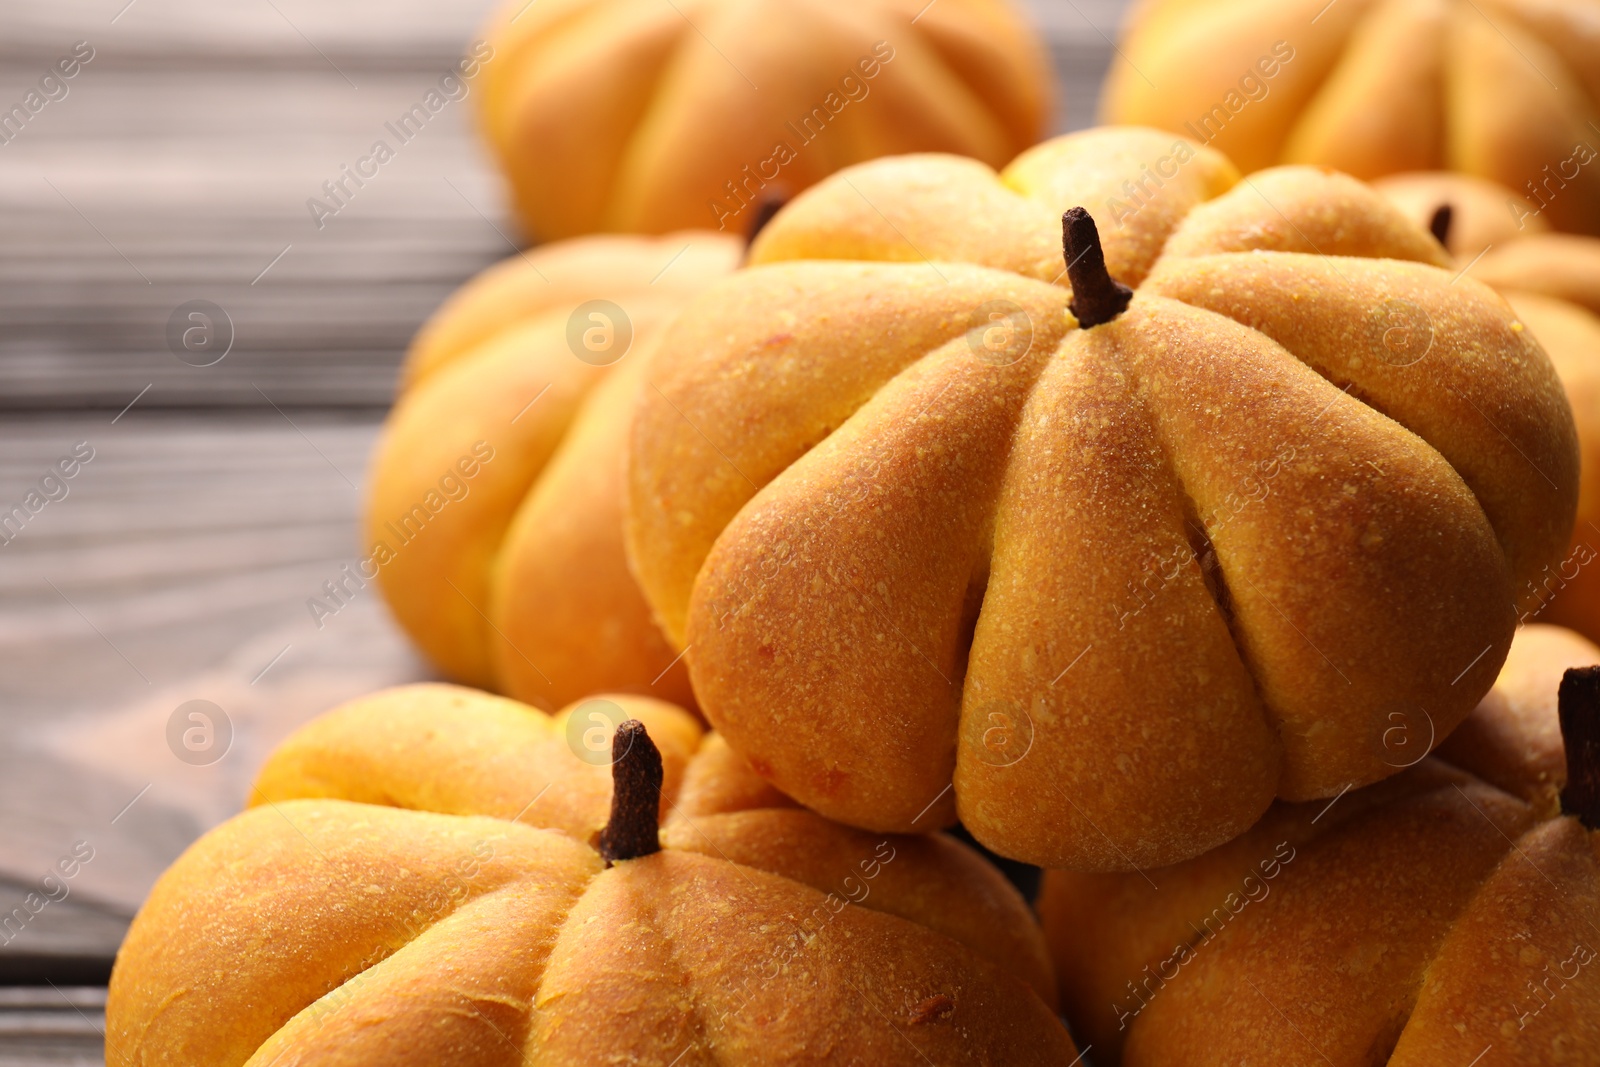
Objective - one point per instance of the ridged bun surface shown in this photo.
(415, 885)
(1119, 585)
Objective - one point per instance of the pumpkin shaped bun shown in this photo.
(1120, 568)
(433, 876)
(1505, 90)
(637, 116)
(1438, 917)
(1504, 237)
(1552, 281)
(494, 514)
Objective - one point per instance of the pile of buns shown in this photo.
(848, 524)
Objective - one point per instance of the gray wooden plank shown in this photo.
(154, 183)
(1080, 68)
(148, 190)
(158, 181)
(200, 31)
(52, 1026)
(69, 941)
(176, 518)
(227, 33)
(177, 567)
(59, 1026)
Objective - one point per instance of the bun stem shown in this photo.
(769, 205)
(634, 827)
(1439, 225)
(1579, 710)
(1096, 297)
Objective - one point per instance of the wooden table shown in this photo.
(218, 498)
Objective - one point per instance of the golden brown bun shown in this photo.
(1552, 282)
(1395, 924)
(899, 209)
(1500, 238)
(1120, 586)
(458, 751)
(1503, 971)
(1302, 209)
(1193, 53)
(1512, 739)
(630, 115)
(554, 279)
(1554, 264)
(1504, 90)
(377, 905)
(1568, 593)
(514, 578)
(1483, 214)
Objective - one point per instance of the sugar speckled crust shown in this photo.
(1424, 920)
(1120, 586)
(414, 884)
(1517, 968)
(1552, 281)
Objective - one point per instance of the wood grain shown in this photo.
(56, 1025)
(179, 165)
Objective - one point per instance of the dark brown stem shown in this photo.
(634, 827)
(770, 204)
(1439, 225)
(1579, 709)
(1096, 296)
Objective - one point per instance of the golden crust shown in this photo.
(1512, 970)
(1400, 923)
(1503, 90)
(458, 751)
(1552, 281)
(668, 951)
(1308, 210)
(377, 905)
(1206, 48)
(1282, 498)
(1378, 323)
(931, 879)
(565, 614)
(1113, 934)
(498, 477)
(772, 389)
(1483, 213)
(1095, 167)
(1512, 739)
(1501, 238)
(679, 122)
(270, 916)
(1569, 593)
(1555, 264)
(1354, 920)
(556, 278)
